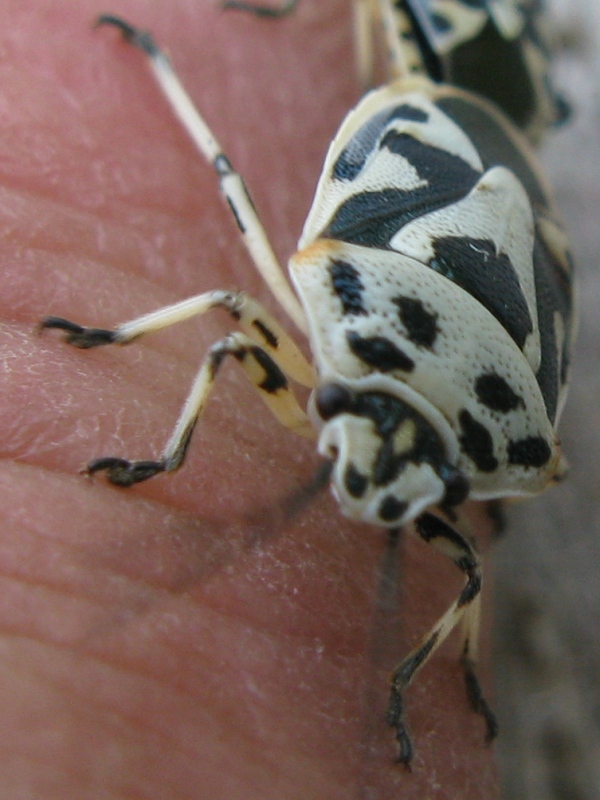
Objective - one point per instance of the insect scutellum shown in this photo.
(434, 282)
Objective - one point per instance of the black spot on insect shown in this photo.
(353, 157)
(533, 451)
(274, 380)
(372, 218)
(441, 23)
(386, 412)
(391, 509)
(503, 74)
(355, 482)
(379, 352)
(487, 276)
(388, 464)
(495, 393)
(476, 442)
(411, 113)
(348, 286)
(493, 145)
(421, 324)
(266, 333)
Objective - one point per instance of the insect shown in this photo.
(434, 282)
(497, 48)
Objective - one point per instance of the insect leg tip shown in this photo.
(137, 37)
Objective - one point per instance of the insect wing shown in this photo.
(417, 215)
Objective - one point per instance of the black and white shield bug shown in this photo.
(434, 282)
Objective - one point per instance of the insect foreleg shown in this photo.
(264, 373)
(265, 351)
(252, 318)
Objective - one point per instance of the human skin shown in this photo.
(190, 637)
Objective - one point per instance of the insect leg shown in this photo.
(264, 373)
(452, 544)
(231, 183)
(265, 351)
(252, 318)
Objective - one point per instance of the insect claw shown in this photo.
(77, 335)
(394, 720)
(121, 472)
(139, 38)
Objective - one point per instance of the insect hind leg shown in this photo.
(465, 608)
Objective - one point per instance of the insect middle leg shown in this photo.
(265, 351)
(451, 543)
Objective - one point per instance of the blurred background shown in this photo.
(547, 570)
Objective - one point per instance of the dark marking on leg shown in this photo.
(274, 380)
(236, 216)
(420, 324)
(495, 393)
(430, 527)
(534, 451)
(379, 352)
(267, 334)
(473, 587)
(477, 443)
(223, 166)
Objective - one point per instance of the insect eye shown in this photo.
(457, 486)
(331, 399)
